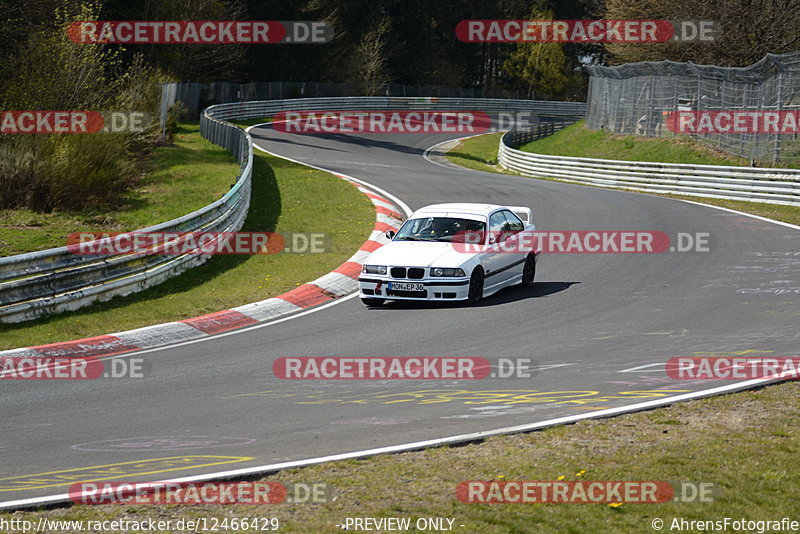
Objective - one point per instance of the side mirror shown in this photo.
(390, 234)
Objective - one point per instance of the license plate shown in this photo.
(404, 286)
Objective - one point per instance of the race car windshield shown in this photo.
(441, 229)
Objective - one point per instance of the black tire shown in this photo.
(528, 271)
(372, 302)
(476, 285)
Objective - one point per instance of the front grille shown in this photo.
(416, 273)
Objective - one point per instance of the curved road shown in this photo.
(589, 323)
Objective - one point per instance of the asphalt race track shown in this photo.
(599, 328)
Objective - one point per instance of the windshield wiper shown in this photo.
(409, 238)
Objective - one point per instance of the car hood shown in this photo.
(418, 254)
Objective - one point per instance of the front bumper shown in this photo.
(445, 289)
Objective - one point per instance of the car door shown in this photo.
(515, 259)
(497, 262)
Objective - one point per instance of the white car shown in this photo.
(449, 252)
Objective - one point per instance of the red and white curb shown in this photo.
(390, 213)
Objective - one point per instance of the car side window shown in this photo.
(514, 224)
(496, 222)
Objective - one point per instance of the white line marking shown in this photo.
(788, 225)
(65, 497)
(636, 369)
(426, 154)
(233, 332)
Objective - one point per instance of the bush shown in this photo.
(46, 172)
(65, 173)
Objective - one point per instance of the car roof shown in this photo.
(456, 208)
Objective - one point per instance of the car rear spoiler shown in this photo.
(526, 213)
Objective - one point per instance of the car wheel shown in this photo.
(372, 302)
(529, 271)
(476, 285)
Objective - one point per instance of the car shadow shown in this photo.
(516, 293)
(504, 296)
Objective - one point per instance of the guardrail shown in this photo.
(517, 138)
(754, 184)
(50, 281)
(264, 108)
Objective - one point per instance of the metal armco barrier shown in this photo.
(50, 281)
(265, 108)
(517, 138)
(755, 184)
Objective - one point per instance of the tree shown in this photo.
(50, 73)
(186, 62)
(541, 65)
(369, 61)
(749, 29)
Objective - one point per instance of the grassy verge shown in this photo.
(286, 198)
(578, 141)
(746, 445)
(180, 178)
(480, 153)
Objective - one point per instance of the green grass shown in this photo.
(480, 152)
(286, 197)
(180, 178)
(578, 141)
(746, 445)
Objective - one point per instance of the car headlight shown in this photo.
(442, 271)
(374, 269)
